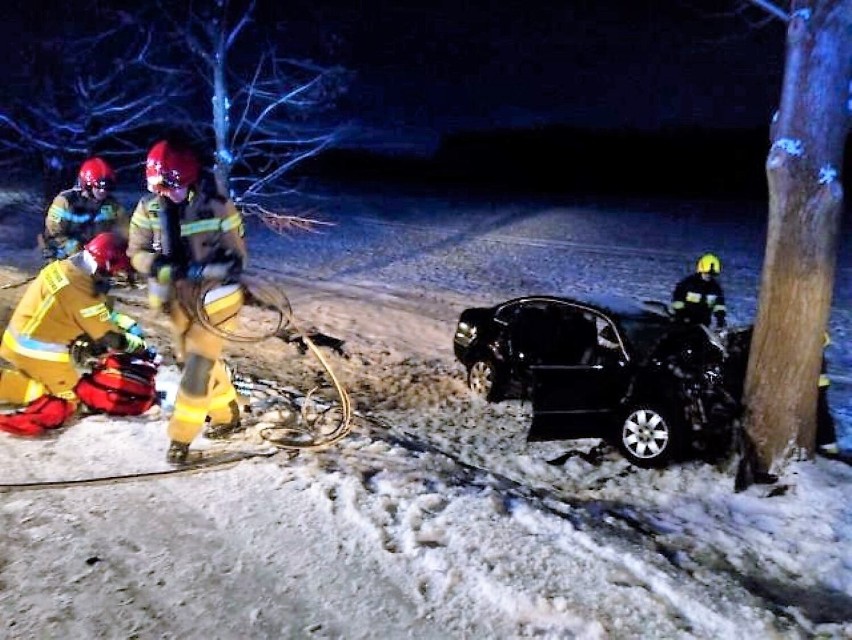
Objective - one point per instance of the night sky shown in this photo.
(425, 72)
(442, 66)
(638, 64)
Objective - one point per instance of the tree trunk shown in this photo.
(221, 119)
(805, 208)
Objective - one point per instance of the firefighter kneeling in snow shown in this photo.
(187, 237)
(67, 299)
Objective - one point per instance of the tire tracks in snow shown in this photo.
(541, 243)
(622, 525)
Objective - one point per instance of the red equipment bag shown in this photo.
(120, 384)
(46, 412)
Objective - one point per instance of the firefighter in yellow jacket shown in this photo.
(77, 215)
(66, 300)
(186, 233)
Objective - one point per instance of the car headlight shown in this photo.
(465, 333)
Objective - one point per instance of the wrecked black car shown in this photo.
(607, 367)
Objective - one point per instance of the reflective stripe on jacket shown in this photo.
(57, 307)
(208, 221)
(73, 219)
(695, 299)
(824, 380)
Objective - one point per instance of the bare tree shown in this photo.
(262, 113)
(803, 169)
(89, 94)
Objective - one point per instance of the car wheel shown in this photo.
(648, 437)
(482, 378)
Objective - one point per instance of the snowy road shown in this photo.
(434, 519)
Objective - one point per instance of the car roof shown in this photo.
(609, 304)
(631, 307)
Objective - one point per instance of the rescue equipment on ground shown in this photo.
(267, 295)
(120, 384)
(46, 412)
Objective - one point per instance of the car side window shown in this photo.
(531, 333)
(608, 344)
(553, 334)
(506, 314)
(607, 337)
(575, 341)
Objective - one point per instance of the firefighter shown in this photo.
(826, 436)
(187, 237)
(698, 298)
(77, 215)
(66, 300)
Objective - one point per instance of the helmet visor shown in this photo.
(103, 185)
(167, 181)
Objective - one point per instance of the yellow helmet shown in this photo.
(708, 263)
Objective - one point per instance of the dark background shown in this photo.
(640, 96)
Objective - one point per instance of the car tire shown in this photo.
(483, 379)
(648, 437)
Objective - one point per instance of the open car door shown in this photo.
(575, 391)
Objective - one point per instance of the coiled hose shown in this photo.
(268, 296)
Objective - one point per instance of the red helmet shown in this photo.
(96, 173)
(110, 253)
(171, 166)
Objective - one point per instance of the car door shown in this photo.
(576, 389)
(528, 331)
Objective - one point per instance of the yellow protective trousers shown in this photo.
(32, 377)
(222, 306)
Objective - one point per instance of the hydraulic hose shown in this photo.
(270, 297)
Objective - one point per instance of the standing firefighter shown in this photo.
(77, 215)
(698, 298)
(66, 300)
(187, 237)
(826, 435)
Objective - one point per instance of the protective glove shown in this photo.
(721, 322)
(48, 254)
(162, 270)
(135, 344)
(126, 323)
(69, 247)
(225, 270)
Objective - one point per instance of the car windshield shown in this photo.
(643, 323)
(644, 333)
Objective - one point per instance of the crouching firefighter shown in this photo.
(66, 300)
(187, 237)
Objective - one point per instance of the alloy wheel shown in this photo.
(645, 435)
(480, 379)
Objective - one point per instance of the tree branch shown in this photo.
(773, 10)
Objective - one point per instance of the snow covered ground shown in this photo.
(434, 518)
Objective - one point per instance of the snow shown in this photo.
(434, 518)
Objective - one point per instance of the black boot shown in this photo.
(223, 430)
(177, 453)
